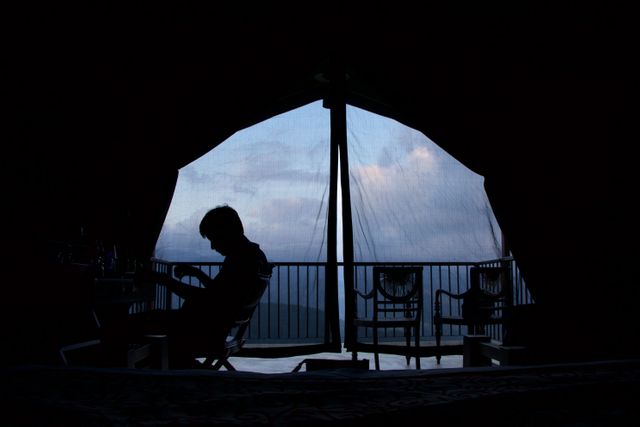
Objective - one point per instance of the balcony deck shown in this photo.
(388, 362)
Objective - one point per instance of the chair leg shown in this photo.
(223, 362)
(375, 348)
(220, 362)
(417, 329)
(228, 365)
(407, 337)
(438, 337)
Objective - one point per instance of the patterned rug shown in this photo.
(582, 394)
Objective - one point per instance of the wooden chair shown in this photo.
(483, 304)
(233, 344)
(397, 303)
(217, 358)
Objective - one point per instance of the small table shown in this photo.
(117, 297)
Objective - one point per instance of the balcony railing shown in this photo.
(292, 310)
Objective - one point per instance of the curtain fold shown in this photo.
(411, 200)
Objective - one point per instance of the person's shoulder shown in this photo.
(246, 256)
(255, 249)
(259, 259)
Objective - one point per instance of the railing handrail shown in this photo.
(358, 263)
(295, 301)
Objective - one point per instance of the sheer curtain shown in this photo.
(275, 174)
(411, 201)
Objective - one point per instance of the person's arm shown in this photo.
(181, 289)
(182, 270)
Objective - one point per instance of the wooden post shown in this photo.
(347, 226)
(332, 324)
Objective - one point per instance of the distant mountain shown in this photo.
(290, 323)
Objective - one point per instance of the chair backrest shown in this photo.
(398, 293)
(489, 291)
(241, 323)
(494, 280)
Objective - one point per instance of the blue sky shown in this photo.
(411, 201)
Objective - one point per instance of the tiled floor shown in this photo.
(387, 362)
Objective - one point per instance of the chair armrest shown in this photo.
(438, 304)
(496, 298)
(449, 294)
(365, 295)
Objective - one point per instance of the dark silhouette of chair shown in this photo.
(88, 344)
(219, 357)
(109, 296)
(150, 351)
(396, 303)
(484, 303)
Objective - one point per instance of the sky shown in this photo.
(411, 201)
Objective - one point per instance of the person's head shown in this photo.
(223, 227)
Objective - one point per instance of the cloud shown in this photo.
(181, 241)
(411, 200)
(193, 176)
(259, 162)
(423, 158)
(415, 202)
(290, 209)
(290, 228)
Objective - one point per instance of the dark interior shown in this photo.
(103, 107)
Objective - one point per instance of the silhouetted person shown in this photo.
(208, 312)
